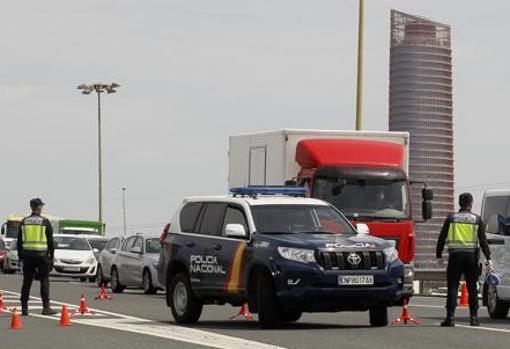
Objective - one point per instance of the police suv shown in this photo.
(283, 255)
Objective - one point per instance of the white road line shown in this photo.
(492, 329)
(155, 329)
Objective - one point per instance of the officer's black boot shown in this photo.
(450, 318)
(474, 317)
(24, 309)
(47, 310)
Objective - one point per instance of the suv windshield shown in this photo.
(274, 219)
(361, 198)
(71, 243)
(152, 246)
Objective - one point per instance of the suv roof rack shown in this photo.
(253, 191)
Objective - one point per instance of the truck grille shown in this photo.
(339, 260)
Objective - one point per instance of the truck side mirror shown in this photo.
(3, 229)
(426, 209)
(426, 205)
(427, 194)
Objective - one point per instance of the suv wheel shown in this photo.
(267, 303)
(496, 308)
(148, 287)
(115, 284)
(186, 307)
(378, 316)
(291, 315)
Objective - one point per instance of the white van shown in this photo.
(496, 214)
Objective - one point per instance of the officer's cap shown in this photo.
(36, 202)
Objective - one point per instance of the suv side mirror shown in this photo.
(136, 250)
(113, 250)
(235, 231)
(95, 250)
(426, 205)
(362, 228)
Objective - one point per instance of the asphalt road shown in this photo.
(134, 320)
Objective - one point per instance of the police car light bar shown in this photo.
(268, 190)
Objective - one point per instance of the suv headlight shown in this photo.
(297, 254)
(91, 260)
(391, 254)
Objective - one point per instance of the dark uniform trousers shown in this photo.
(32, 266)
(462, 263)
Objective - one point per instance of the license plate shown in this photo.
(71, 268)
(346, 280)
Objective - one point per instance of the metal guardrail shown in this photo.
(426, 275)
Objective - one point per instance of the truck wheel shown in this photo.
(186, 307)
(496, 308)
(115, 284)
(148, 287)
(378, 316)
(290, 315)
(269, 316)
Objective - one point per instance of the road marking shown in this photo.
(156, 329)
(492, 329)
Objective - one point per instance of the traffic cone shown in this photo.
(83, 309)
(244, 313)
(16, 323)
(65, 319)
(464, 302)
(2, 307)
(103, 295)
(406, 316)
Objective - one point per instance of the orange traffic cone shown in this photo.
(103, 295)
(65, 319)
(406, 316)
(464, 302)
(244, 313)
(2, 307)
(83, 309)
(16, 323)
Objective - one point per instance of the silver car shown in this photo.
(11, 262)
(105, 260)
(135, 264)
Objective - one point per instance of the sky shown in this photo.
(195, 72)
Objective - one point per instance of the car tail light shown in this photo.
(166, 229)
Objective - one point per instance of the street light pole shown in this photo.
(86, 90)
(124, 207)
(359, 83)
(99, 157)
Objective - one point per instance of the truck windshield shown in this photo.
(362, 198)
(283, 219)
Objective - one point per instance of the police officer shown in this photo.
(35, 250)
(464, 234)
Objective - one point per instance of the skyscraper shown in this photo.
(420, 102)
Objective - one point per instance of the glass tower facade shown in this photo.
(420, 102)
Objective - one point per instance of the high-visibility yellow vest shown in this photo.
(463, 231)
(34, 234)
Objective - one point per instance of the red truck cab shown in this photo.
(367, 181)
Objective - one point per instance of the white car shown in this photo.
(496, 214)
(73, 257)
